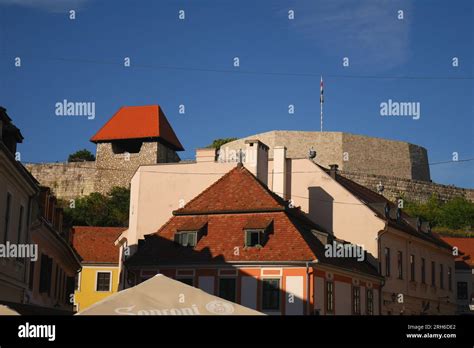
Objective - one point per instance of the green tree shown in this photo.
(457, 213)
(80, 156)
(97, 209)
(217, 143)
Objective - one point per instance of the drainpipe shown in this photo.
(26, 270)
(307, 287)
(380, 267)
(308, 295)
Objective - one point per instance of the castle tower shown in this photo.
(134, 136)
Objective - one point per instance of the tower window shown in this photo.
(129, 145)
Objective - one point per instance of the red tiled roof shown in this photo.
(138, 122)
(465, 247)
(229, 206)
(238, 190)
(96, 244)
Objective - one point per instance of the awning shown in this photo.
(161, 295)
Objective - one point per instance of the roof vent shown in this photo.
(333, 170)
(387, 210)
(312, 153)
(380, 188)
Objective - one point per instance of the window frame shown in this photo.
(20, 223)
(8, 209)
(433, 273)
(466, 288)
(450, 278)
(97, 281)
(441, 276)
(31, 276)
(356, 300)
(387, 261)
(222, 278)
(369, 304)
(186, 277)
(260, 233)
(179, 234)
(329, 297)
(400, 264)
(277, 291)
(412, 268)
(423, 270)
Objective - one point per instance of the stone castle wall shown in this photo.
(67, 180)
(412, 190)
(401, 167)
(77, 179)
(354, 153)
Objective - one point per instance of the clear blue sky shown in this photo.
(82, 60)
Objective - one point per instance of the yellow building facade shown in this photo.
(99, 277)
(94, 284)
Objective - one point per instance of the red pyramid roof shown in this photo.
(238, 190)
(137, 122)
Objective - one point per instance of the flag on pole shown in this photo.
(321, 97)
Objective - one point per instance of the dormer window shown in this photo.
(186, 238)
(387, 211)
(254, 238)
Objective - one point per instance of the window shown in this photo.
(387, 262)
(227, 288)
(441, 276)
(412, 267)
(400, 264)
(329, 297)
(45, 274)
(62, 289)
(20, 224)
(77, 282)
(462, 290)
(355, 300)
(271, 294)
(56, 281)
(188, 238)
(253, 238)
(370, 302)
(69, 289)
(129, 145)
(433, 273)
(189, 281)
(32, 276)
(6, 224)
(423, 271)
(450, 279)
(103, 281)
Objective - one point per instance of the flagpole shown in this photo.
(321, 101)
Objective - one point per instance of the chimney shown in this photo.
(279, 171)
(256, 159)
(206, 155)
(333, 170)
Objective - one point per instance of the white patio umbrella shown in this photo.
(161, 295)
(4, 310)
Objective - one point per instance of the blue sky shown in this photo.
(190, 62)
